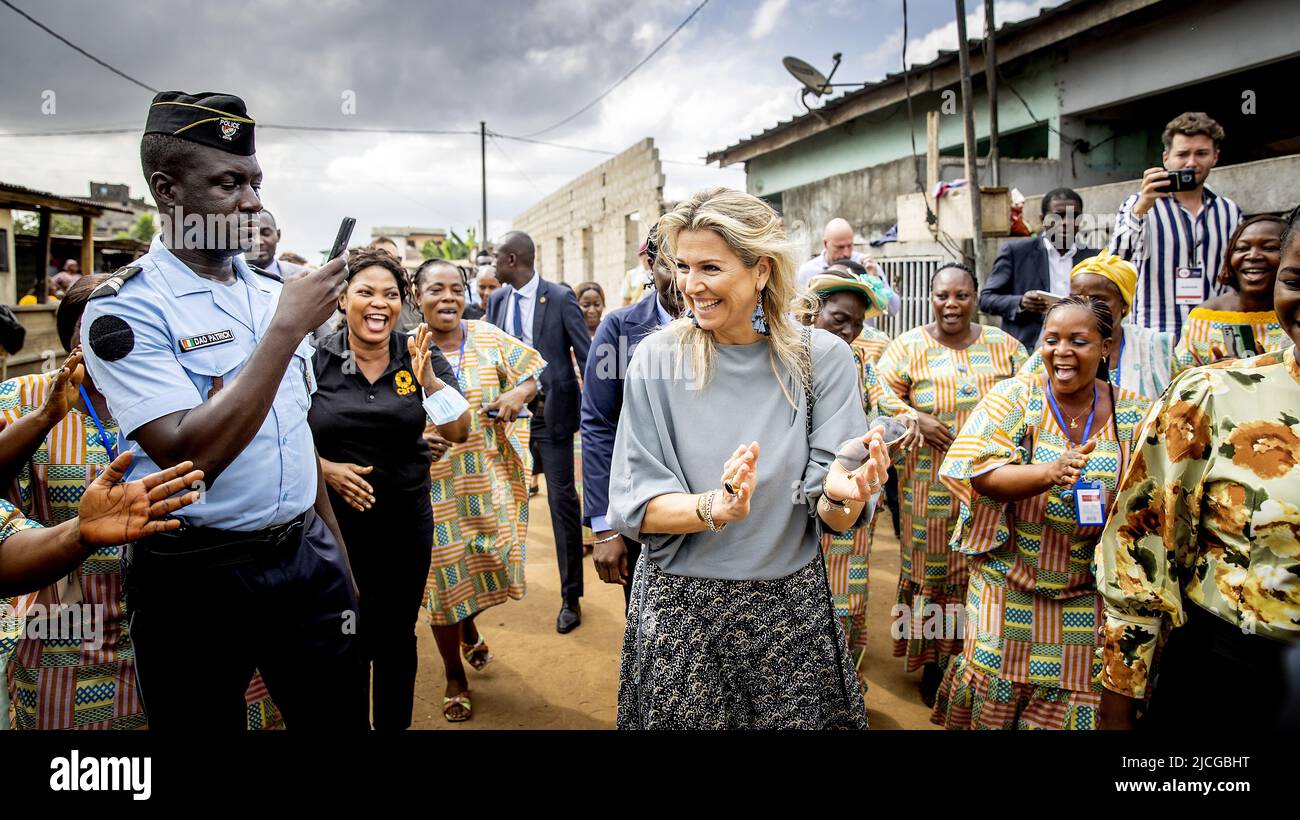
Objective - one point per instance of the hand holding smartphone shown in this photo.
(342, 238)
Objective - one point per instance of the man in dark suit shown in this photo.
(602, 403)
(546, 317)
(1041, 263)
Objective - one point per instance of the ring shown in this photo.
(729, 488)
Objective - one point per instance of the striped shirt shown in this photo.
(1168, 238)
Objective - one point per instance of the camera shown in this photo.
(1184, 179)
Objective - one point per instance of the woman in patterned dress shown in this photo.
(839, 303)
(1249, 271)
(1201, 551)
(1027, 468)
(942, 370)
(109, 510)
(59, 437)
(1140, 356)
(479, 489)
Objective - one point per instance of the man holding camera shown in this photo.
(1175, 230)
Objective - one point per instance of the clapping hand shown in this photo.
(865, 481)
(1066, 470)
(114, 512)
(740, 473)
(422, 359)
(64, 388)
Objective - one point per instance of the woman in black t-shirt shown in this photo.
(376, 390)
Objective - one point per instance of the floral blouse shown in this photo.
(1208, 515)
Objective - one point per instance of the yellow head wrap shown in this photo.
(1114, 268)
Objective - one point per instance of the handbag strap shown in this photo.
(809, 398)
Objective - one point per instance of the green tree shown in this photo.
(143, 230)
(453, 247)
(60, 224)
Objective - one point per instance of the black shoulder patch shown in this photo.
(114, 283)
(111, 338)
(274, 276)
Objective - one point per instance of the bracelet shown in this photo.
(841, 507)
(606, 540)
(707, 503)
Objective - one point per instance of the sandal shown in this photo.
(476, 655)
(461, 700)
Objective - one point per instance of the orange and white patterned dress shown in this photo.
(479, 488)
(947, 384)
(1206, 332)
(848, 555)
(62, 682)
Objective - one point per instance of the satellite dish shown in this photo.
(812, 79)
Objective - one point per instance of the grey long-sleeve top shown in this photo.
(673, 438)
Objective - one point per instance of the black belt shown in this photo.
(206, 546)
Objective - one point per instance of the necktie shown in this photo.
(518, 330)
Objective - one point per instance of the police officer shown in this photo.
(203, 358)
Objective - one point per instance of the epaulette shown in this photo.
(267, 274)
(114, 283)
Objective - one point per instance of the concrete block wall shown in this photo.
(582, 231)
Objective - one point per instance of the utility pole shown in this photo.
(970, 146)
(482, 159)
(991, 80)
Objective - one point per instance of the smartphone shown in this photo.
(1239, 341)
(341, 240)
(1184, 179)
(1050, 298)
(523, 414)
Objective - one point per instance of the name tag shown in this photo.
(1189, 286)
(1090, 503)
(206, 340)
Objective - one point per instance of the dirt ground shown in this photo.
(543, 680)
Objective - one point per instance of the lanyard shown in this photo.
(103, 436)
(1056, 411)
(1119, 359)
(460, 356)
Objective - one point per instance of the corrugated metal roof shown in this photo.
(1043, 17)
(71, 201)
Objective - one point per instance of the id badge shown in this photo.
(1189, 286)
(1090, 503)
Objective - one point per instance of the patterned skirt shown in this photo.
(706, 653)
(848, 567)
(932, 586)
(970, 699)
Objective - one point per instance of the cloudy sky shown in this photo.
(519, 66)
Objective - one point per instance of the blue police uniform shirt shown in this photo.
(187, 331)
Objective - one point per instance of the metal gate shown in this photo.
(909, 276)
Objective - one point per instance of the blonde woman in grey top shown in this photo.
(721, 472)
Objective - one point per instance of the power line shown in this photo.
(699, 164)
(346, 130)
(622, 79)
(75, 47)
(497, 144)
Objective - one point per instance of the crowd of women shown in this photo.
(1100, 529)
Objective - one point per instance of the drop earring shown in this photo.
(759, 319)
(690, 314)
